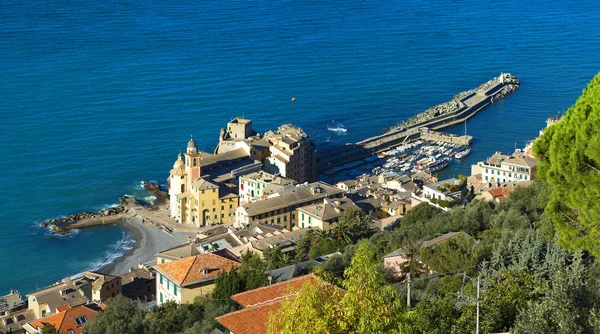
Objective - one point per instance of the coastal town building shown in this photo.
(90, 286)
(198, 187)
(443, 194)
(259, 303)
(258, 185)
(14, 313)
(68, 319)
(139, 284)
(324, 214)
(183, 280)
(505, 168)
(292, 154)
(281, 207)
(204, 188)
(347, 185)
(103, 286)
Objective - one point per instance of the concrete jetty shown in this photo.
(462, 107)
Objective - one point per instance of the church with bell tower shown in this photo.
(198, 199)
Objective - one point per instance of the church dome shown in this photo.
(192, 147)
(179, 162)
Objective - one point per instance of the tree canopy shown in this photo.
(569, 159)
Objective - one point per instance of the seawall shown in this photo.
(464, 106)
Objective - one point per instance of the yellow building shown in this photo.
(197, 199)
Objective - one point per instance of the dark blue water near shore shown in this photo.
(96, 96)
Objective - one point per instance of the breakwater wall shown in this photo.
(462, 107)
(127, 208)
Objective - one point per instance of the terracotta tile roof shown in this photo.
(259, 303)
(190, 270)
(499, 193)
(251, 320)
(269, 293)
(65, 320)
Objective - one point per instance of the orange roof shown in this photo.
(191, 269)
(259, 303)
(269, 293)
(252, 320)
(499, 193)
(65, 320)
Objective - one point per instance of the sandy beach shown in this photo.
(149, 240)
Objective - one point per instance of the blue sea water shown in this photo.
(98, 95)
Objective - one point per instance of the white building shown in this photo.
(504, 168)
(258, 185)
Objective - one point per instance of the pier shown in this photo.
(464, 106)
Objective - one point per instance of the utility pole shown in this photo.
(477, 328)
(408, 291)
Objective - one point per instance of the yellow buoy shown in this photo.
(293, 99)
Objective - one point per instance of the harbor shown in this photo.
(416, 134)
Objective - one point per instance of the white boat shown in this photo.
(462, 154)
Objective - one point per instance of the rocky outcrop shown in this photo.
(162, 197)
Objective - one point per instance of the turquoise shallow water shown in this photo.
(95, 97)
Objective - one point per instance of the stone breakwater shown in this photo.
(507, 81)
(124, 210)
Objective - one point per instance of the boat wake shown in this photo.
(338, 128)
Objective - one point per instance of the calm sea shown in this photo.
(96, 96)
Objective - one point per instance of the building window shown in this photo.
(80, 321)
(222, 215)
(215, 217)
(175, 290)
(302, 216)
(161, 298)
(160, 277)
(222, 207)
(525, 177)
(162, 261)
(284, 218)
(231, 206)
(278, 220)
(214, 190)
(183, 188)
(214, 202)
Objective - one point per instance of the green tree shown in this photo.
(47, 329)
(303, 247)
(453, 254)
(368, 304)
(569, 159)
(122, 316)
(173, 318)
(274, 258)
(567, 304)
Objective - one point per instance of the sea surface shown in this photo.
(96, 96)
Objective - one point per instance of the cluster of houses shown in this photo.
(256, 192)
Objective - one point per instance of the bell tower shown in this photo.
(192, 163)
